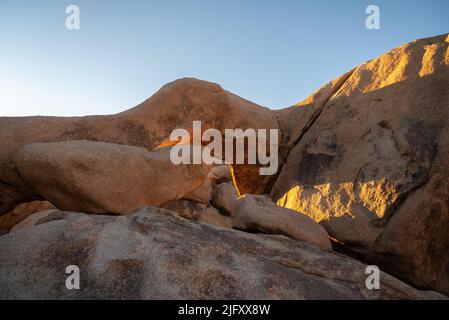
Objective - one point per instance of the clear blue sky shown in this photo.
(274, 53)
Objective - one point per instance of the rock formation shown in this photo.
(148, 125)
(372, 165)
(363, 163)
(153, 254)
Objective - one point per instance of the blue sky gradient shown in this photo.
(274, 53)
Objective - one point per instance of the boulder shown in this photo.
(148, 125)
(21, 212)
(260, 213)
(41, 217)
(153, 254)
(371, 165)
(99, 177)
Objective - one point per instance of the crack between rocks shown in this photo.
(291, 265)
(315, 117)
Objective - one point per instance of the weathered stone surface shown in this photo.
(372, 166)
(201, 212)
(248, 180)
(260, 213)
(148, 125)
(225, 197)
(21, 212)
(42, 217)
(153, 254)
(99, 177)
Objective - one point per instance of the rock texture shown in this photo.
(20, 213)
(225, 197)
(371, 163)
(259, 213)
(205, 192)
(37, 218)
(99, 177)
(155, 255)
(192, 210)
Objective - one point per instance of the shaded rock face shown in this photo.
(148, 125)
(372, 165)
(153, 254)
(205, 192)
(37, 218)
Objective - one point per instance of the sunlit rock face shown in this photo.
(372, 166)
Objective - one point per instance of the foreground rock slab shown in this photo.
(154, 254)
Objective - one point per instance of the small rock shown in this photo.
(260, 213)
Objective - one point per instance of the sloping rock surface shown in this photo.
(153, 254)
(99, 177)
(372, 166)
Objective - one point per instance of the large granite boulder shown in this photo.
(372, 165)
(148, 125)
(260, 213)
